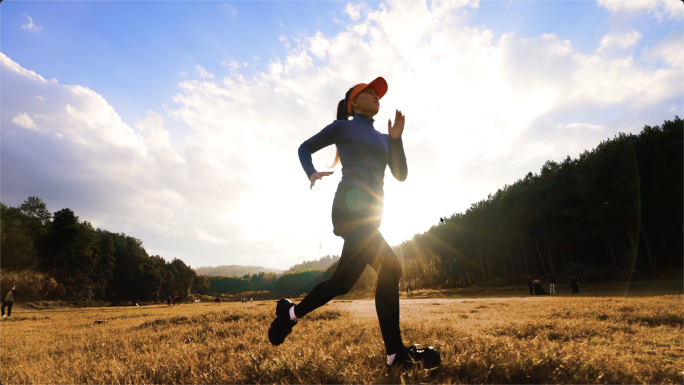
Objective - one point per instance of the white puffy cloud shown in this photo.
(619, 40)
(285, 41)
(232, 65)
(670, 50)
(353, 10)
(203, 73)
(30, 26)
(660, 8)
(584, 126)
(319, 44)
(25, 121)
(479, 113)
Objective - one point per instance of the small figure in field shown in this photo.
(176, 300)
(530, 284)
(197, 301)
(217, 300)
(573, 284)
(135, 303)
(251, 300)
(552, 289)
(538, 290)
(168, 301)
(408, 289)
(9, 301)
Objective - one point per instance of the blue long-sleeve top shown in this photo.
(364, 152)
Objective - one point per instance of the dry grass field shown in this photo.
(493, 340)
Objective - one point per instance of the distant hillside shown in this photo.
(234, 270)
(322, 264)
(240, 271)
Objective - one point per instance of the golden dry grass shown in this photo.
(504, 340)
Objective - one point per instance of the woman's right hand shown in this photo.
(318, 175)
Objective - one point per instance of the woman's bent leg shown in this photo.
(350, 267)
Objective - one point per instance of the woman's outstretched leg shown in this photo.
(353, 261)
(350, 267)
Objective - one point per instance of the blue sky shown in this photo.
(566, 74)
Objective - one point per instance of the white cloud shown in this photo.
(670, 50)
(353, 10)
(660, 8)
(203, 73)
(232, 65)
(25, 121)
(30, 26)
(285, 41)
(584, 126)
(619, 40)
(39, 97)
(319, 44)
(228, 9)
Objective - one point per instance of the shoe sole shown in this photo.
(274, 335)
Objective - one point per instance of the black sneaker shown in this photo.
(281, 327)
(424, 358)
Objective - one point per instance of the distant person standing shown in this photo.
(574, 285)
(552, 289)
(168, 301)
(530, 284)
(9, 301)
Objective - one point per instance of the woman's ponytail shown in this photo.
(341, 115)
(342, 110)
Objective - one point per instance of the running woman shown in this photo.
(356, 216)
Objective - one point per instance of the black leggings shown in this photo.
(356, 216)
(8, 305)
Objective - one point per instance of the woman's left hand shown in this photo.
(398, 128)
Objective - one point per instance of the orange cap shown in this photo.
(379, 84)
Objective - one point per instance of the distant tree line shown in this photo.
(88, 263)
(617, 208)
(234, 270)
(321, 264)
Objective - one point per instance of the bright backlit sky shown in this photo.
(178, 122)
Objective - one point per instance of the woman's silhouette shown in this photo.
(356, 216)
